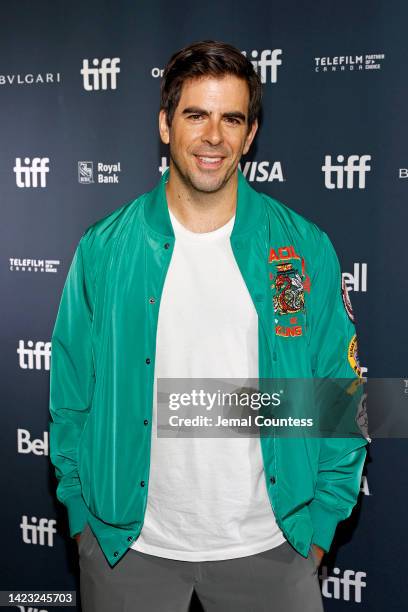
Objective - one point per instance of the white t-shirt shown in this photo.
(207, 497)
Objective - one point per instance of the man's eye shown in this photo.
(195, 116)
(232, 120)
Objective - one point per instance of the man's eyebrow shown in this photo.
(200, 111)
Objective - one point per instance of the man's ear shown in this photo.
(163, 127)
(250, 136)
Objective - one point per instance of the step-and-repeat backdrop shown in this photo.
(79, 89)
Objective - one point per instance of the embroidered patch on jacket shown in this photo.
(288, 297)
(346, 300)
(289, 282)
(352, 355)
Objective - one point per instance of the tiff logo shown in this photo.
(33, 173)
(267, 64)
(37, 358)
(356, 164)
(41, 533)
(26, 446)
(97, 78)
(347, 588)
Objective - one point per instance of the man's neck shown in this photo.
(199, 211)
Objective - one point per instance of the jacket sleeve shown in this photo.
(72, 381)
(332, 336)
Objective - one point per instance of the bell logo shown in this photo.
(96, 78)
(26, 445)
(356, 280)
(356, 164)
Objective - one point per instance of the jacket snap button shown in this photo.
(167, 245)
(152, 300)
(115, 554)
(130, 538)
(148, 360)
(146, 422)
(142, 484)
(272, 479)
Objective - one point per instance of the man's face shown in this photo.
(209, 131)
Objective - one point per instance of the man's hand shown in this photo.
(319, 552)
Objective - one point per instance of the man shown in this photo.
(189, 281)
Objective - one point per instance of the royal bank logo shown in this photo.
(33, 265)
(349, 63)
(103, 74)
(85, 172)
(347, 172)
(105, 173)
(266, 63)
(31, 172)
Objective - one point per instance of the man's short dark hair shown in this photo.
(208, 58)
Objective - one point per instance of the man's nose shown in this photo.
(213, 132)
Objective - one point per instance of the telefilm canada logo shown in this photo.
(17, 264)
(349, 63)
(254, 171)
(102, 75)
(105, 173)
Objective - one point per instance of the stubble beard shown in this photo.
(193, 182)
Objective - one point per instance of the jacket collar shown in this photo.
(248, 215)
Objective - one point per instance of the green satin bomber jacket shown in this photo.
(103, 356)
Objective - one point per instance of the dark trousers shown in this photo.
(277, 580)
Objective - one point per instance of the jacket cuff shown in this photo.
(325, 522)
(77, 514)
